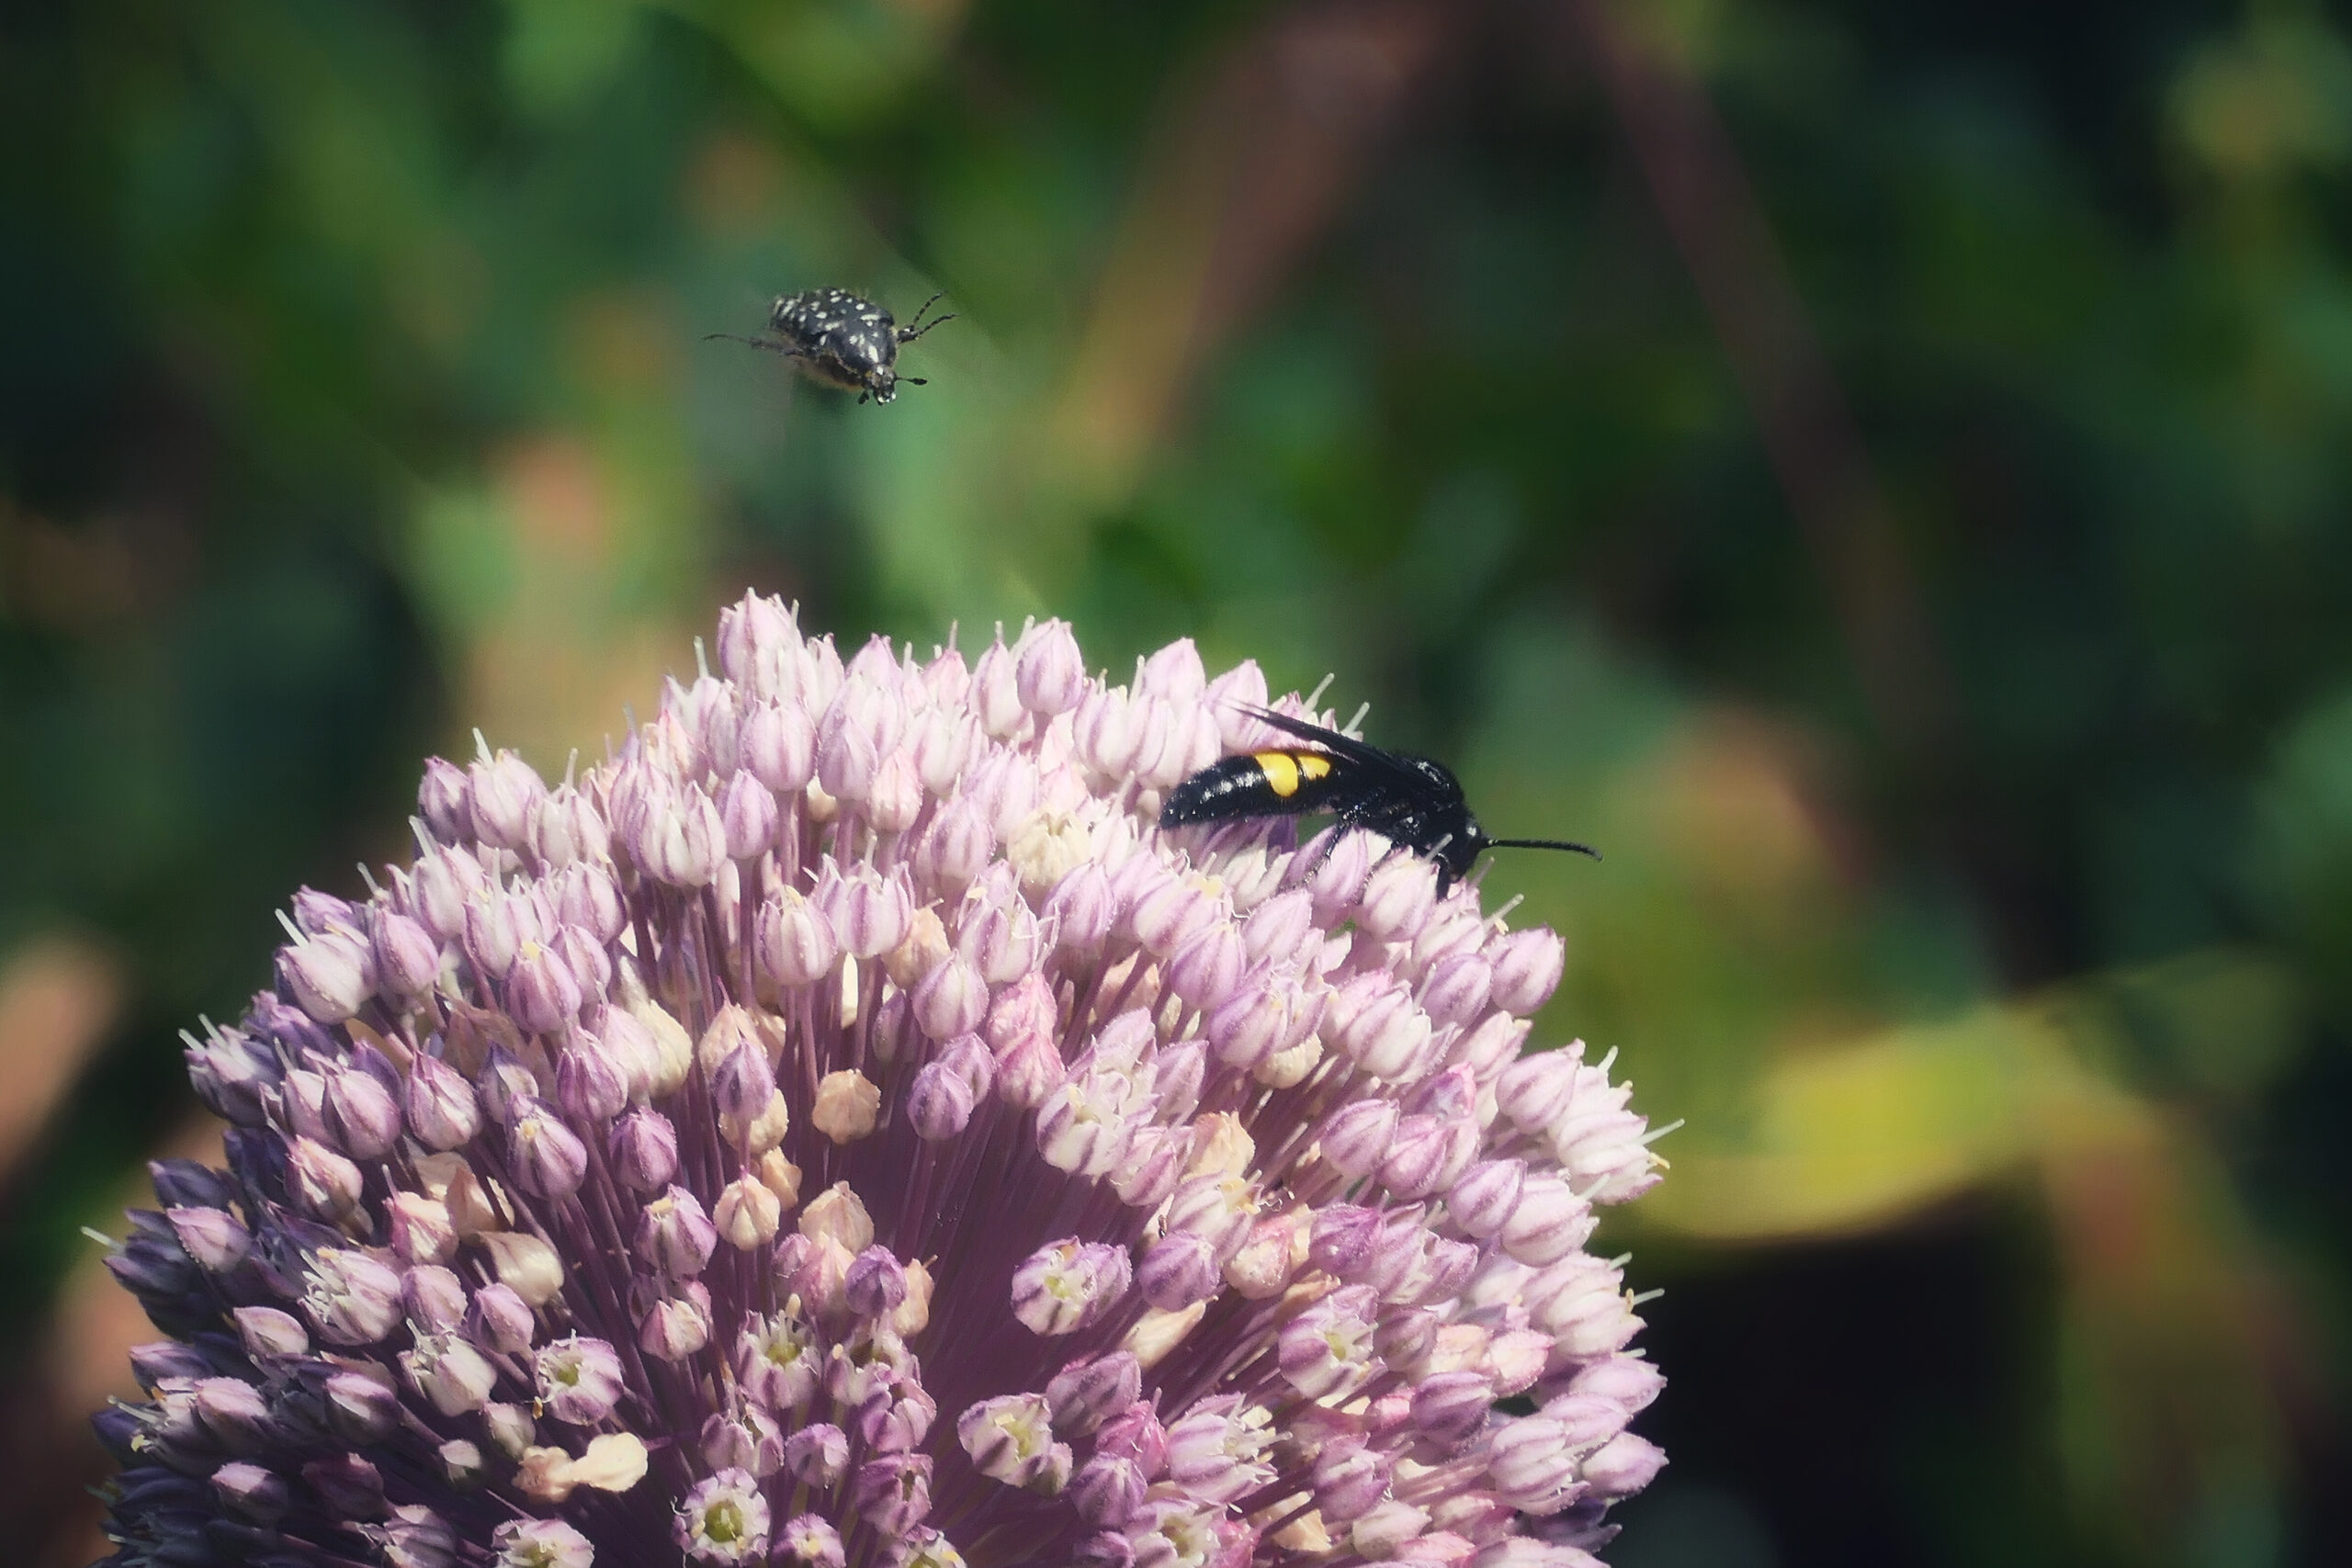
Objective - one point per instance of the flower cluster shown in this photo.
(843, 1129)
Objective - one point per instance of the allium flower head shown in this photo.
(843, 1129)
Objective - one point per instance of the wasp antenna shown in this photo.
(914, 380)
(1543, 844)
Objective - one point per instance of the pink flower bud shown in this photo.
(1342, 1239)
(544, 1156)
(1350, 1479)
(956, 847)
(940, 1102)
(1549, 1222)
(743, 1083)
(435, 1297)
(267, 1333)
(1107, 733)
(895, 800)
(1107, 1492)
(1451, 1407)
(1397, 898)
(441, 885)
(361, 1114)
(777, 745)
(868, 912)
(1483, 1199)
(1049, 674)
(1179, 1271)
(674, 1236)
(1375, 1023)
(542, 993)
(588, 897)
(865, 724)
(1429, 1153)
(793, 941)
(643, 1148)
(943, 740)
(1455, 989)
(494, 932)
(502, 793)
(674, 1327)
(952, 1000)
(329, 976)
(1084, 1394)
(441, 801)
(320, 1180)
(680, 839)
(1623, 1466)
(746, 817)
(1630, 1383)
(212, 1237)
(1527, 967)
(1206, 967)
(566, 828)
(995, 695)
(1356, 1137)
(407, 960)
(1081, 908)
(579, 1379)
(500, 1320)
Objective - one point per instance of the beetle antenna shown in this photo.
(1543, 844)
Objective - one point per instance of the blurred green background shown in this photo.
(1878, 466)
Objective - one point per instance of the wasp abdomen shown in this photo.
(1262, 783)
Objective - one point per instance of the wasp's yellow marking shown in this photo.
(1281, 769)
(1284, 769)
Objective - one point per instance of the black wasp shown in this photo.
(844, 341)
(1413, 802)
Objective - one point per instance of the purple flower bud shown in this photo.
(1206, 967)
(441, 885)
(1081, 908)
(235, 1413)
(1534, 1465)
(1108, 1492)
(816, 1455)
(940, 1101)
(1429, 1153)
(503, 795)
(416, 1537)
(361, 1408)
(361, 1114)
(1628, 1382)
(542, 994)
(1375, 1023)
(1168, 909)
(566, 828)
(1450, 1407)
(499, 1319)
(676, 1326)
(865, 724)
(212, 1237)
(588, 897)
(230, 1075)
(952, 1000)
(406, 959)
(1549, 1222)
(585, 957)
(266, 1332)
(674, 1234)
(1623, 1466)
(995, 691)
(352, 1299)
(248, 1492)
(1177, 1271)
(643, 1148)
(1049, 674)
(1084, 1394)
(793, 939)
(319, 1180)
(894, 800)
(1350, 1479)
(743, 1084)
(327, 975)
(1339, 863)
(1327, 1351)
(1357, 1136)
(1397, 899)
(876, 1283)
(494, 932)
(777, 746)
(999, 940)
(579, 1379)
(442, 1111)
(1527, 967)
(1342, 1239)
(747, 815)
(546, 1157)
(441, 801)
(869, 913)
(680, 839)
(589, 1085)
(1454, 991)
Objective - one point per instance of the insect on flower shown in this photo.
(841, 339)
(1413, 802)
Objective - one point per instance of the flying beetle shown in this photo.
(1413, 802)
(841, 339)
